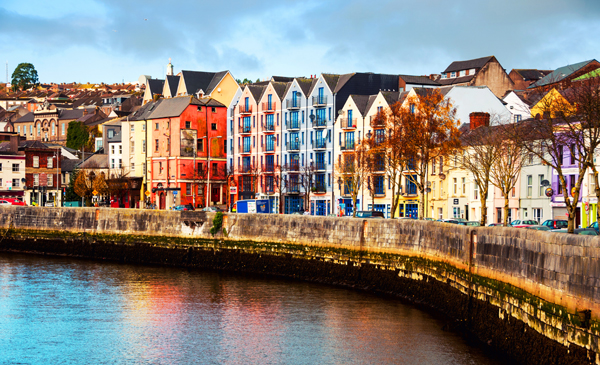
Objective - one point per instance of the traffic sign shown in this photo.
(174, 192)
(147, 193)
(95, 192)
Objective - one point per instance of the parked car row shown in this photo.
(11, 201)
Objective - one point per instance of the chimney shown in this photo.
(85, 111)
(478, 119)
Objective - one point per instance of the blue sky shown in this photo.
(116, 40)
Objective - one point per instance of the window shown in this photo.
(433, 191)
(453, 74)
(476, 191)
(213, 126)
(560, 155)
(572, 154)
(120, 163)
(156, 126)
(571, 183)
(0, 167)
(200, 145)
(464, 186)
(112, 149)
(156, 145)
(19, 129)
(441, 165)
(188, 125)
(39, 133)
(499, 215)
(529, 185)
(213, 109)
(524, 212)
(30, 130)
(132, 147)
(62, 131)
(15, 167)
(144, 146)
(537, 214)
(53, 129)
(517, 118)
(454, 180)
(36, 180)
(433, 166)
(133, 166)
(440, 213)
(15, 183)
(513, 192)
(132, 129)
(50, 160)
(144, 126)
(188, 189)
(111, 133)
(120, 149)
(49, 179)
(36, 161)
(112, 163)
(541, 178)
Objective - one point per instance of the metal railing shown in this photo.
(245, 109)
(319, 100)
(292, 103)
(348, 123)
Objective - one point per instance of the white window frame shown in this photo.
(36, 161)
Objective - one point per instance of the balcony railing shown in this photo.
(347, 147)
(319, 122)
(320, 166)
(292, 103)
(293, 146)
(319, 100)
(245, 109)
(376, 122)
(292, 125)
(269, 168)
(245, 129)
(319, 188)
(268, 127)
(319, 144)
(246, 169)
(294, 188)
(348, 123)
(268, 107)
(294, 167)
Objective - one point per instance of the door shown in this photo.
(162, 201)
(215, 194)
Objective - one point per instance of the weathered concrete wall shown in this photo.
(545, 280)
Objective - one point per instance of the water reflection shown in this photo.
(57, 310)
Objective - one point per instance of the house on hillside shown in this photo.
(485, 71)
(523, 78)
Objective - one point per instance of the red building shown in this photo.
(186, 155)
(42, 174)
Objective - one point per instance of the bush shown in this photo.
(217, 223)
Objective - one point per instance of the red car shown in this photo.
(525, 224)
(15, 201)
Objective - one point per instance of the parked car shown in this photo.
(538, 228)
(458, 221)
(4, 202)
(581, 231)
(525, 224)
(594, 226)
(15, 201)
(212, 209)
(515, 222)
(180, 208)
(473, 224)
(369, 214)
(495, 225)
(189, 206)
(555, 223)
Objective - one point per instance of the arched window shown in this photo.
(39, 129)
(53, 130)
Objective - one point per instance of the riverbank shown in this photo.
(434, 264)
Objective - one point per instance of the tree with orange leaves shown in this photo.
(430, 130)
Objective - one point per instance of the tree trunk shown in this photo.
(571, 220)
(505, 209)
(354, 205)
(483, 199)
(421, 203)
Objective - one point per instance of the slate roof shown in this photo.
(195, 81)
(172, 82)
(173, 107)
(456, 80)
(560, 74)
(468, 64)
(31, 144)
(282, 79)
(280, 88)
(26, 118)
(144, 112)
(532, 74)
(331, 80)
(97, 160)
(156, 86)
(391, 96)
(370, 102)
(361, 102)
(68, 165)
(5, 148)
(306, 84)
(419, 80)
(256, 91)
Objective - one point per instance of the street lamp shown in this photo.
(208, 168)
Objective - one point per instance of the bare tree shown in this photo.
(480, 152)
(506, 170)
(307, 176)
(352, 167)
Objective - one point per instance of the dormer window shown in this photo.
(111, 133)
(462, 73)
(453, 74)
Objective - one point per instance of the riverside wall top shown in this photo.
(561, 268)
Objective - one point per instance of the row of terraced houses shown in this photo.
(201, 138)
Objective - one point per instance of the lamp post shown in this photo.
(208, 169)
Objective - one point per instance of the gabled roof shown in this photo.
(256, 91)
(306, 84)
(560, 73)
(370, 102)
(361, 102)
(391, 96)
(195, 81)
(173, 107)
(29, 117)
(31, 144)
(68, 165)
(280, 88)
(282, 78)
(96, 161)
(418, 80)
(468, 64)
(156, 86)
(343, 79)
(331, 80)
(172, 82)
(144, 112)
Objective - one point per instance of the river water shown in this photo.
(61, 310)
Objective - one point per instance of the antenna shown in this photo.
(6, 74)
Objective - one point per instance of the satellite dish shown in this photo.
(340, 112)
(545, 183)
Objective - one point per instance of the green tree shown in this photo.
(24, 77)
(70, 194)
(78, 135)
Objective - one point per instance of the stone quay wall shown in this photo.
(543, 283)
